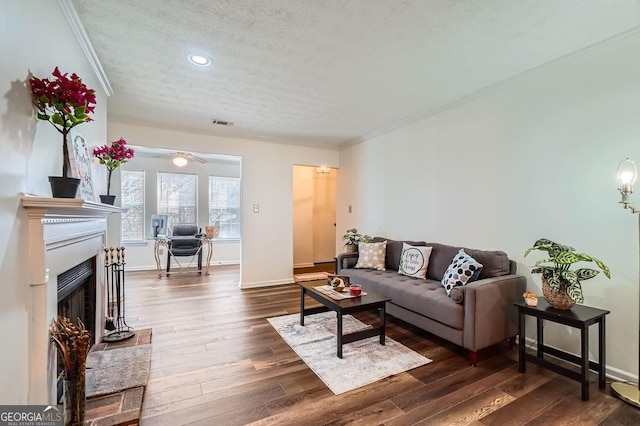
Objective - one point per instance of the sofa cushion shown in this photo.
(457, 294)
(463, 269)
(394, 251)
(414, 260)
(494, 263)
(371, 256)
(425, 297)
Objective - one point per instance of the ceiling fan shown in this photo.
(181, 159)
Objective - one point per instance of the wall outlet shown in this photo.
(350, 209)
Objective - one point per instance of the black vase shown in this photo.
(107, 199)
(64, 187)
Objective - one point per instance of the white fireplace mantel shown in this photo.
(62, 233)
(66, 206)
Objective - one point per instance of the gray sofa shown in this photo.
(477, 315)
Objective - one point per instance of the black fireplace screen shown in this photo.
(77, 299)
(77, 294)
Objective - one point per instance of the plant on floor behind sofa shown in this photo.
(558, 279)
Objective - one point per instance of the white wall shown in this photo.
(267, 180)
(141, 257)
(536, 157)
(30, 152)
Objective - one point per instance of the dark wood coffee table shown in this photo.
(371, 301)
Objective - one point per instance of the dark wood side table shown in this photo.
(580, 317)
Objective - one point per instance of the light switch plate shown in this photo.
(256, 208)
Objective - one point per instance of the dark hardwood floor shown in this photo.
(217, 361)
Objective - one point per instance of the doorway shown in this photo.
(314, 218)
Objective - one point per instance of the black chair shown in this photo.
(186, 240)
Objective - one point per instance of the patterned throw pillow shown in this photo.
(414, 260)
(371, 255)
(463, 269)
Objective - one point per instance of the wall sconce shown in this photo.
(323, 170)
(180, 161)
(627, 174)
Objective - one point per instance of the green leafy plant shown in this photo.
(352, 237)
(562, 257)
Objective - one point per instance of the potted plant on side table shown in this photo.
(352, 238)
(560, 285)
(64, 102)
(112, 156)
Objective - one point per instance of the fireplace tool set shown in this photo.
(115, 323)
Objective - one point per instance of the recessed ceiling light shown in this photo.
(199, 60)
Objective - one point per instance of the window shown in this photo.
(132, 197)
(224, 205)
(177, 195)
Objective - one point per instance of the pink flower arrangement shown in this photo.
(113, 156)
(64, 102)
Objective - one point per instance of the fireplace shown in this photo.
(77, 301)
(66, 238)
(77, 294)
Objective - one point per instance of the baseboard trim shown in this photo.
(613, 373)
(269, 283)
(164, 266)
(304, 265)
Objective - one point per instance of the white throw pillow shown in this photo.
(462, 270)
(371, 255)
(414, 260)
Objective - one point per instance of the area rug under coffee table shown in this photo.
(363, 362)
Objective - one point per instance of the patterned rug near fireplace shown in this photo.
(117, 370)
(365, 361)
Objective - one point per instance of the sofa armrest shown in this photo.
(489, 314)
(346, 261)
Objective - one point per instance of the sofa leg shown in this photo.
(512, 343)
(473, 357)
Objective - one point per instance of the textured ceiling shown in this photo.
(326, 72)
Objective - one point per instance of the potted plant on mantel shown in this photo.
(352, 238)
(112, 156)
(560, 285)
(64, 102)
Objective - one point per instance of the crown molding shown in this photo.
(626, 38)
(73, 19)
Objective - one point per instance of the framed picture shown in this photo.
(81, 166)
(159, 225)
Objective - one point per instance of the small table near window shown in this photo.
(163, 242)
(580, 317)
